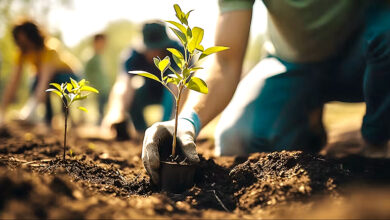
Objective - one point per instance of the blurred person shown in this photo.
(132, 93)
(320, 51)
(96, 74)
(49, 66)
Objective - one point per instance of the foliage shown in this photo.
(191, 39)
(70, 93)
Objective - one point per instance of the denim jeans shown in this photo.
(278, 105)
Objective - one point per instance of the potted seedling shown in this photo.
(69, 94)
(176, 174)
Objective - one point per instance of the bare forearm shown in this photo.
(225, 72)
(222, 84)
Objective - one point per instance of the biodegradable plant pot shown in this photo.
(176, 177)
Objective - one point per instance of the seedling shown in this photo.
(191, 39)
(70, 93)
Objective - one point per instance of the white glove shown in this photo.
(28, 109)
(162, 132)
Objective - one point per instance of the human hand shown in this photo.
(162, 133)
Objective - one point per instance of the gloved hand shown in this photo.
(162, 133)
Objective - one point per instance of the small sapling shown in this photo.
(191, 39)
(69, 93)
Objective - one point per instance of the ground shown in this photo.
(106, 179)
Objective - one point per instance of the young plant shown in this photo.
(70, 93)
(191, 39)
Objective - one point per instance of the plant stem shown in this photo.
(66, 127)
(181, 87)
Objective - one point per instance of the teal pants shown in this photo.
(278, 105)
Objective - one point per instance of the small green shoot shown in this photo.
(71, 92)
(191, 39)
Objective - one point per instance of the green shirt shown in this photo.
(96, 75)
(306, 30)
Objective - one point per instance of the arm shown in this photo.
(223, 76)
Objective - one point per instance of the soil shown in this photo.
(106, 179)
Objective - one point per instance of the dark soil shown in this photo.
(105, 179)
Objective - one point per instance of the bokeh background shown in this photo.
(74, 23)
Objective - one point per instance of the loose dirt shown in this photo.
(105, 179)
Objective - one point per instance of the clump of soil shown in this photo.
(27, 195)
(107, 180)
(269, 179)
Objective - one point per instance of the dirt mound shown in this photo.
(270, 179)
(27, 195)
(105, 179)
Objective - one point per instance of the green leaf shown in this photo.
(188, 14)
(83, 82)
(197, 37)
(69, 87)
(196, 68)
(145, 74)
(178, 11)
(67, 98)
(177, 57)
(180, 14)
(56, 85)
(212, 50)
(89, 89)
(164, 64)
(186, 73)
(189, 32)
(180, 35)
(79, 97)
(172, 78)
(198, 85)
(55, 92)
(156, 61)
(74, 83)
(179, 62)
(82, 109)
(179, 26)
(176, 52)
(200, 48)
